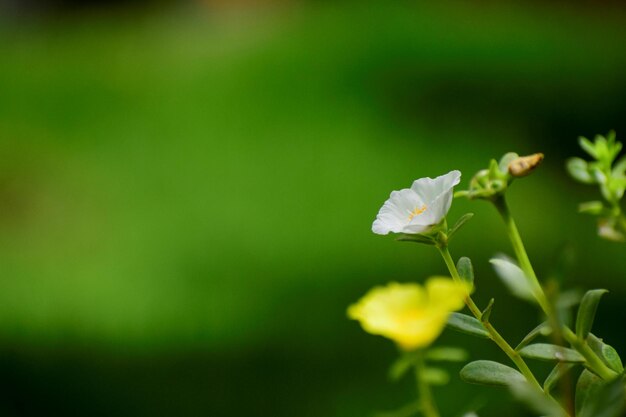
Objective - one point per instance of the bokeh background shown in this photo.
(187, 191)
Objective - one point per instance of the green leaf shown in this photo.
(602, 149)
(494, 170)
(415, 239)
(402, 365)
(612, 358)
(591, 207)
(542, 329)
(579, 170)
(435, 376)
(587, 312)
(588, 147)
(490, 373)
(610, 138)
(587, 383)
(459, 223)
(557, 373)
(506, 159)
(617, 187)
(466, 324)
(466, 270)
(606, 352)
(619, 169)
(615, 150)
(548, 352)
(446, 353)
(486, 313)
(535, 400)
(513, 277)
(605, 400)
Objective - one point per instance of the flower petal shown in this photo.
(409, 314)
(430, 189)
(416, 226)
(446, 294)
(437, 195)
(421, 333)
(394, 214)
(381, 309)
(438, 208)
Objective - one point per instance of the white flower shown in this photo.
(419, 208)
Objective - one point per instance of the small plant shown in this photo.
(413, 316)
(610, 177)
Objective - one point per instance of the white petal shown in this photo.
(430, 189)
(414, 228)
(394, 214)
(439, 208)
(437, 194)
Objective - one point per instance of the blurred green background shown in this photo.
(187, 191)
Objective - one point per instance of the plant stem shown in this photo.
(590, 356)
(581, 346)
(522, 255)
(493, 333)
(427, 403)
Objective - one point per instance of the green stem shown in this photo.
(427, 403)
(581, 346)
(495, 336)
(590, 356)
(493, 333)
(522, 255)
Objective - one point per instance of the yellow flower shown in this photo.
(409, 314)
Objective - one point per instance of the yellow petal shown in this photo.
(408, 314)
(446, 293)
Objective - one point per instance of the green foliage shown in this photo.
(587, 312)
(402, 365)
(491, 373)
(592, 207)
(513, 277)
(549, 352)
(609, 176)
(459, 223)
(467, 324)
(435, 376)
(536, 400)
(409, 360)
(578, 169)
(446, 354)
(597, 398)
(587, 383)
(605, 352)
(507, 158)
(491, 182)
(425, 240)
(543, 329)
(466, 269)
(556, 374)
(486, 313)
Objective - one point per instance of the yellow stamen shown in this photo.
(417, 211)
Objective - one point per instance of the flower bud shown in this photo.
(524, 165)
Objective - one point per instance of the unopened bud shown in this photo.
(524, 165)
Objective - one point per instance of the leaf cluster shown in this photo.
(607, 172)
(594, 395)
